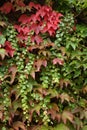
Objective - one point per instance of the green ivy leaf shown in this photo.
(2, 53)
(2, 39)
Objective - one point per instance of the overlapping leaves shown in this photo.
(42, 77)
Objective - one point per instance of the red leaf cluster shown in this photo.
(6, 8)
(9, 50)
(22, 32)
(45, 20)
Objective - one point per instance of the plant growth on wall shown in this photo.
(43, 65)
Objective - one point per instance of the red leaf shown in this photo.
(66, 115)
(33, 5)
(49, 25)
(36, 39)
(7, 7)
(74, 28)
(24, 19)
(64, 83)
(44, 63)
(51, 31)
(59, 15)
(33, 18)
(64, 97)
(36, 28)
(13, 71)
(22, 37)
(18, 124)
(54, 112)
(23, 30)
(9, 48)
(31, 48)
(39, 63)
(58, 61)
(45, 29)
(20, 3)
(41, 12)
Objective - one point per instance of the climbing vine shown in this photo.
(43, 66)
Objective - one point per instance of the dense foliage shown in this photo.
(43, 65)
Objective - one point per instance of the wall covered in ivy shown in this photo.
(43, 65)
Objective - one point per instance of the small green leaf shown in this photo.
(3, 128)
(2, 39)
(2, 53)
